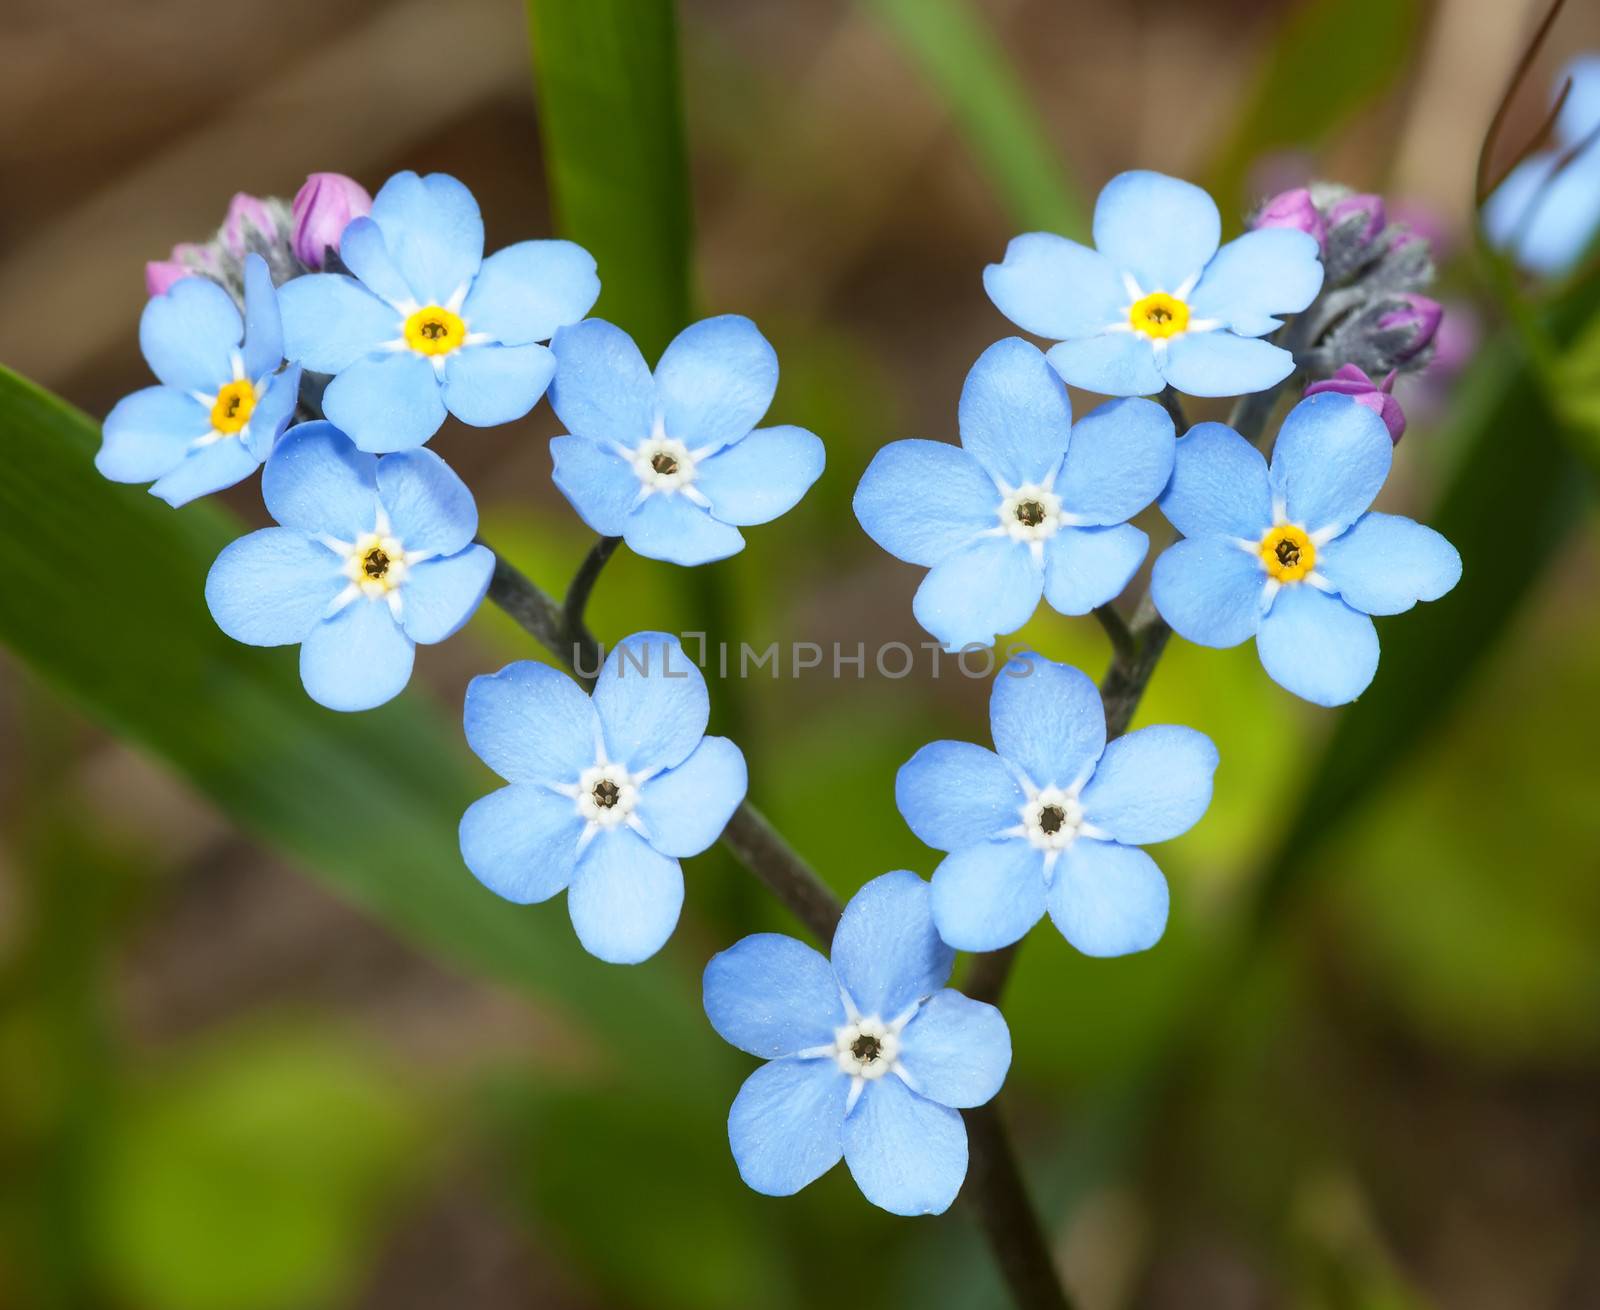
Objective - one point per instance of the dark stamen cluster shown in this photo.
(1030, 513)
(1051, 818)
(433, 329)
(1288, 553)
(376, 563)
(865, 1048)
(605, 793)
(663, 463)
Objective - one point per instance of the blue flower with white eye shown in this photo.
(371, 557)
(606, 792)
(870, 1057)
(1156, 303)
(1290, 556)
(674, 463)
(222, 402)
(1547, 211)
(1028, 503)
(427, 324)
(1053, 818)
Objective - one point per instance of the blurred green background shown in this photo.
(265, 1044)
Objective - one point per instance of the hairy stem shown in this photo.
(579, 591)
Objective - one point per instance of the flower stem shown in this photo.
(579, 590)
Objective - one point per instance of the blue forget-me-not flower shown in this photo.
(371, 557)
(222, 402)
(870, 1057)
(427, 324)
(673, 463)
(1156, 303)
(1028, 503)
(1290, 555)
(1053, 818)
(606, 792)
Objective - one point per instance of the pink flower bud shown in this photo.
(1421, 317)
(1370, 210)
(246, 212)
(1293, 209)
(1376, 396)
(187, 260)
(323, 207)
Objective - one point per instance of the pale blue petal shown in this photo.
(188, 336)
(1219, 486)
(489, 385)
(988, 895)
(652, 702)
(1580, 111)
(1209, 591)
(886, 951)
(1316, 646)
(1151, 785)
(1086, 567)
(1108, 899)
(956, 1051)
(521, 842)
(1119, 460)
(429, 506)
(1015, 415)
(763, 476)
(1049, 722)
(1160, 229)
(907, 1154)
(330, 321)
(954, 793)
(318, 482)
(786, 1125)
(1385, 564)
(271, 587)
(363, 251)
(686, 808)
(262, 350)
(1256, 277)
(434, 233)
(981, 591)
(440, 595)
(625, 897)
(358, 659)
(1055, 288)
(208, 469)
(273, 413)
(1330, 461)
(1221, 364)
(923, 500)
(599, 484)
(1116, 364)
(668, 526)
(147, 433)
(531, 723)
(715, 381)
(386, 402)
(1548, 219)
(525, 292)
(772, 996)
(602, 389)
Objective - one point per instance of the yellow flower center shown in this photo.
(233, 407)
(435, 330)
(1159, 315)
(1287, 553)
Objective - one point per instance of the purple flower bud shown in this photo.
(244, 213)
(1368, 208)
(1418, 315)
(1376, 396)
(186, 260)
(323, 207)
(1293, 209)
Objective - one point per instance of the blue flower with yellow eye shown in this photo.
(1156, 303)
(222, 402)
(427, 325)
(1291, 555)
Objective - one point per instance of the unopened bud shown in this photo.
(323, 208)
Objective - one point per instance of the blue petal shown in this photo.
(668, 526)
(988, 895)
(489, 385)
(271, 587)
(1108, 899)
(1330, 461)
(1048, 721)
(1151, 785)
(521, 842)
(1116, 364)
(429, 507)
(1552, 222)
(317, 481)
(1258, 276)
(525, 292)
(1209, 591)
(386, 402)
(364, 252)
(1118, 461)
(602, 390)
(1385, 564)
(188, 336)
(147, 433)
(763, 476)
(686, 808)
(434, 233)
(358, 659)
(923, 500)
(440, 595)
(1221, 364)
(625, 897)
(1160, 229)
(600, 485)
(1086, 567)
(273, 413)
(886, 952)
(981, 591)
(330, 321)
(652, 702)
(208, 469)
(955, 793)
(1316, 646)
(786, 1125)
(907, 1154)
(956, 1050)
(1219, 486)
(772, 996)
(531, 723)
(1015, 415)
(1055, 288)
(715, 381)
(262, 350)
(1580, 111)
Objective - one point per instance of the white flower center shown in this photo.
(867, 1048)
(1031, 513)
(377, 565)
(606, 795)
(1053, 819)
(663, 463)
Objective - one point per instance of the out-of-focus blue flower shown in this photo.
(427, 324)
(1156, 303)
(1291, 556)
(372, 556)
(1053, 818)
(674, 463)
(222, 401)
(870, 1057)
(1547, 219)
(1029, 503)
(606, 792)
